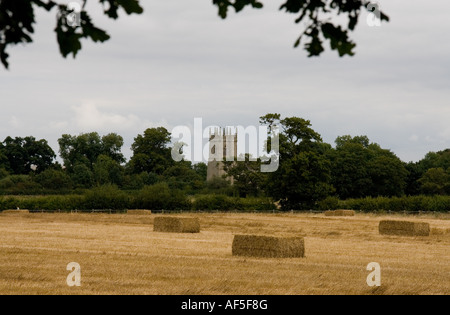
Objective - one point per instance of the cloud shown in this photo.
(88, 116)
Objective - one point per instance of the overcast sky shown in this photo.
(179, 60)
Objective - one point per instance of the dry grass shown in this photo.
(340, 213)
(120, 254)
(405, 228)
(139, 212)
(15, 212)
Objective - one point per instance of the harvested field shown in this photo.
(15, 212)
(340, 213)
(120, 254)
(139, 212)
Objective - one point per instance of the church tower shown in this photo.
(222, 145)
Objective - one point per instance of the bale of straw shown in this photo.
(139, 212)
(268, 246)
(15, 211)
(176, 225)
(404, 228)
(340, 213)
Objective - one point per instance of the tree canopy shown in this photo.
(22, 155)
(311, 172)
(319, 18)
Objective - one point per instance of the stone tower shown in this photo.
(222, 145)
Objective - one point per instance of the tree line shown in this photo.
(310, 170)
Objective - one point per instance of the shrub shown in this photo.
(161, 197)
(405, 203)
(215, 202)
(106, 197)
(329, 203)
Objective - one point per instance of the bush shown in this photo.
(52, 179)
(161, 197)
(106, 197)
(397, 204)
(226, 203)
(329, 203)
(19, 185)
(64, 203)
(215, 202)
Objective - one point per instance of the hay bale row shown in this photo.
(404, 228)
(268, 246)
(139, 212)
(15, 211)
(340, 213)
(176, 225)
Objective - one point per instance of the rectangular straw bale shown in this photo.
(139, 212)
(268, 246)
(340, 213)
(15, 211)
(405, 228)
(176, 225)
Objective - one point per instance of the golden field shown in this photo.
(121, 254)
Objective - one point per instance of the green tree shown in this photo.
(415, 172)
(54, 179)
(182, 176)
(22, 155)
(388, 175)
(361, 168)
(82, 176)
(108, 171)
(350, 173)
(151, 152)
(439, 159)
(248, 180)
(201, 169)
(303, 177)
(87, 147)
(17, 22)
(435, 181)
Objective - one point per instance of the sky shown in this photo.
(179, 61)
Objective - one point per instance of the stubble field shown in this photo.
(120, 254)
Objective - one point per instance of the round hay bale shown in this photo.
(268, 246)
(404, 228)
(139, 212)
(176, 225)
